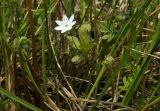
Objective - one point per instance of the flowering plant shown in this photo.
(65, 24)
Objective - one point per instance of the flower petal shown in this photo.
(65, 18)
(59, 28)
(64, 30)
(59, 22)
(71, 19)
(73, 23)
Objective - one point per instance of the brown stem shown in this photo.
(32, 31)
(30, 7)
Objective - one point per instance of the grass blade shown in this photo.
(141, 69)
(19, 100)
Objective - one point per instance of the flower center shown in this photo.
(66, 25)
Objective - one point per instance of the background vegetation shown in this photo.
(109, 60)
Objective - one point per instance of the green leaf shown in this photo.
(108, 37)
(77, 58)
(120, 17)
(74, 42)
(85, 48)
(86, 43)
(82, 8)
(106, 28)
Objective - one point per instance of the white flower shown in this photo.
(65, 24)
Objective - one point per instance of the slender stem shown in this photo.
(32, 31)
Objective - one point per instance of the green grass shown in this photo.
(109, 60)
